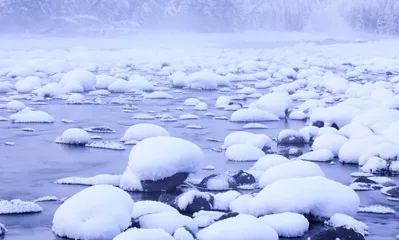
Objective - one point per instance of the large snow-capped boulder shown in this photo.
(276, 103)
(78, 79)
(203, 80)
(238, 228)
(52, 90)
(142, 208)
(351, 150)
(330, 141)
(140, 83)
(103, 81)
(98, 212)
(292, 137)
(268, 161)
(179, 79)
(318, 196)
(142, 131)
(243, 152)
(291, 169)
(164, 160)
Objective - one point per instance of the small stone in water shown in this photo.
(393, 199)
(96, 137)
(217, 149)
(213, 140)
(27, 129)
(9, 143)
(179, 108)
(66, 121)
(221, 118)
(195, 127)
(209, 167)
(332, 163)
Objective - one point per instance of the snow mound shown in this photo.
(188, 116)
(103, 81)
(203, 80)
(29, 116)
(275, 103)
(237, 228)
(268, 161)
(106, 145)
(179, 79)
(319, 155)
(291, 169)
(119, 86)
(290, 136)
(101, 179)
(191, 102)
(158, 95)
(15, 105)
(74, 136)
(201, 106)
(78, 80)
(223, 200)
(93, 214)
(144, 234)
(102, 129)
(377, 209)
(143, 116)
(17, 206)
(243, 152)
(52, 90)
(318, 196)
(76, 98)
(342, 220)
(288, 225)
(142, 208)
(252, 115)
(167, 221)
(28, 84)
(332, 142)
(140, 83)
(141, 131)
(46, 199)
(241, 137)
(351, 151)
(157, 158)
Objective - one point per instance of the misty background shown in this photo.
(52, 16)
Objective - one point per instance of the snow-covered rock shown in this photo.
(291, 169)
(142, 208)
(158, 158)
(377, 209)
(167, 221)
(17, 206)
(101, 179)
(238, 228)
(332, 142)
(318, 196)
(243, 152)
(292, 137)
(241, 137)
(268, 161)
(93, 214)
(342, 220)
(74, 136)
(287, 225)
(52, 90)
(158, 95)
(140, 83)
(179, 79)
(28, 116)
(319, 155)
(275, 103)
(203, 80)
(78, 80)
(252, 115)
(141, 131)
(103, 81)
(76, 98)
(15, 105)
(28, 84)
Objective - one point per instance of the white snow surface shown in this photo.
(92, 214)
(243, 152)
(342, 220)
(238, 228)
(142, 208)
(377, 209)
(144, 234)
(78, 80)
(29, 116)
(157, 158)
(318, 196)
(101, 179)
(74, 136)
(241, 137)
(17, 206)
(142, 131)
(168, 221)
(252, 115)
(330, 141)
(291, 169)
(268, 161)
(288, 225)
(319, 155)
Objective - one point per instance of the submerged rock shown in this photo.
(166, 184)
(189, 202)
(226, 181)
(341, 233)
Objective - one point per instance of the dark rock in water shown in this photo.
(318, 124)
(227, 215)
(292, 140)
(230, 181)
(167, 184)
(135, 223)
(334, 125)
(99, 129)
(364, 180)
(290, 151)
(340, 233)
(393, 192)
(243, 178)
(167, 199)
(199, 203)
